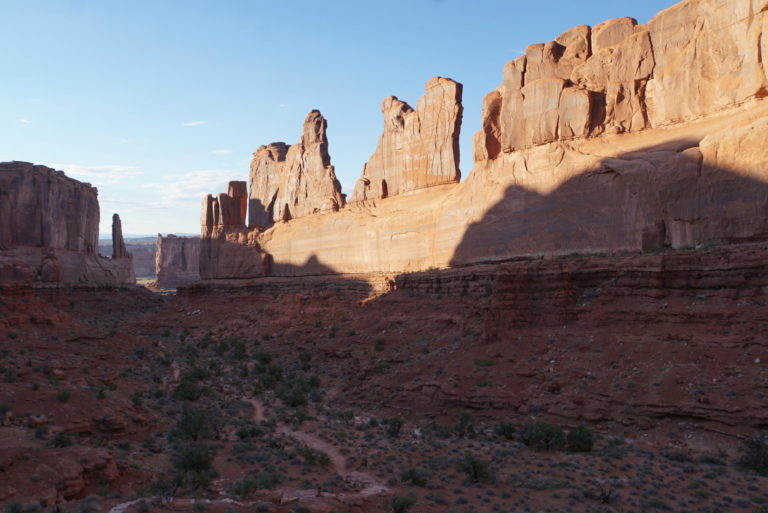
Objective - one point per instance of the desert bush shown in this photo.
(313, 456)
(465, 426)
(505, 430)
(475, 468)
(194, 466)
(417, 477)
(543, 436)
(755, 453)
(401, 503)
(63, 395)
(393, 427)
(187, 390)
(580, 439)
(194, 424)
(60, 440)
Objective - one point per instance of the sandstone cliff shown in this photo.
(609, 138)
(418, 148)
(294, 181)
(225, 242)
(177, 261)
(49, 226)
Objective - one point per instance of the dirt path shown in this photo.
(370, 484)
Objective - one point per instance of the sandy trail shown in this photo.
(371, 485)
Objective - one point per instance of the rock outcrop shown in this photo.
(690, 61)
(288, 182)
(49, 227)
(118, 244)
(418, 148)
(177, 261)
(227, 246)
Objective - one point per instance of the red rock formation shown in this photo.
(294, 181)
(177, 260)
(418, 148)
(227, 247)
(617, 137)
(49, 226)
(689, 61)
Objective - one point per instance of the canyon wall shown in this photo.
(177, 261)
(615, 137)
(418, 148)
(49, 226)
(287, 182)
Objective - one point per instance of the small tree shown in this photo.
(543, 436)
(580, 439)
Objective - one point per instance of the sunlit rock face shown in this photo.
(418, 148)
(49, 230)
(615, 137)
(288, 182)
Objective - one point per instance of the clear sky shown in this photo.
(159, 102)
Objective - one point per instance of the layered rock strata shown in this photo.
(418, 148)
(49, 226)
(177, 261)
(287, 182)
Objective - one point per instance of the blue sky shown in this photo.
(158, 102)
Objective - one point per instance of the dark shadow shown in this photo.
(641, 201)
(229, 264)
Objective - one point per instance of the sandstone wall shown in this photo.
(615, 137)
(226, 244)
(287, 182)
(418, 148)
(49, 227)
(689, 61)
(177, 261)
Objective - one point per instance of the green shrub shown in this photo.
(475, 468)
(194, 425)
(313, 456)
(464, 427)
(60, 440)
(755, 453)
(543, 436)
(580, 439)
(394, 426)
(401, 503)
(505, 430)
(63, 395)
(194, 466)
(416, 476)
(187, 390)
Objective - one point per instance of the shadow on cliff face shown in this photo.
(645, 200)
(226, 260)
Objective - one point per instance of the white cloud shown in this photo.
(192, 186)
(193, 123)
(98, 175)
(24, 121)
(281, 105)
(221, 152)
